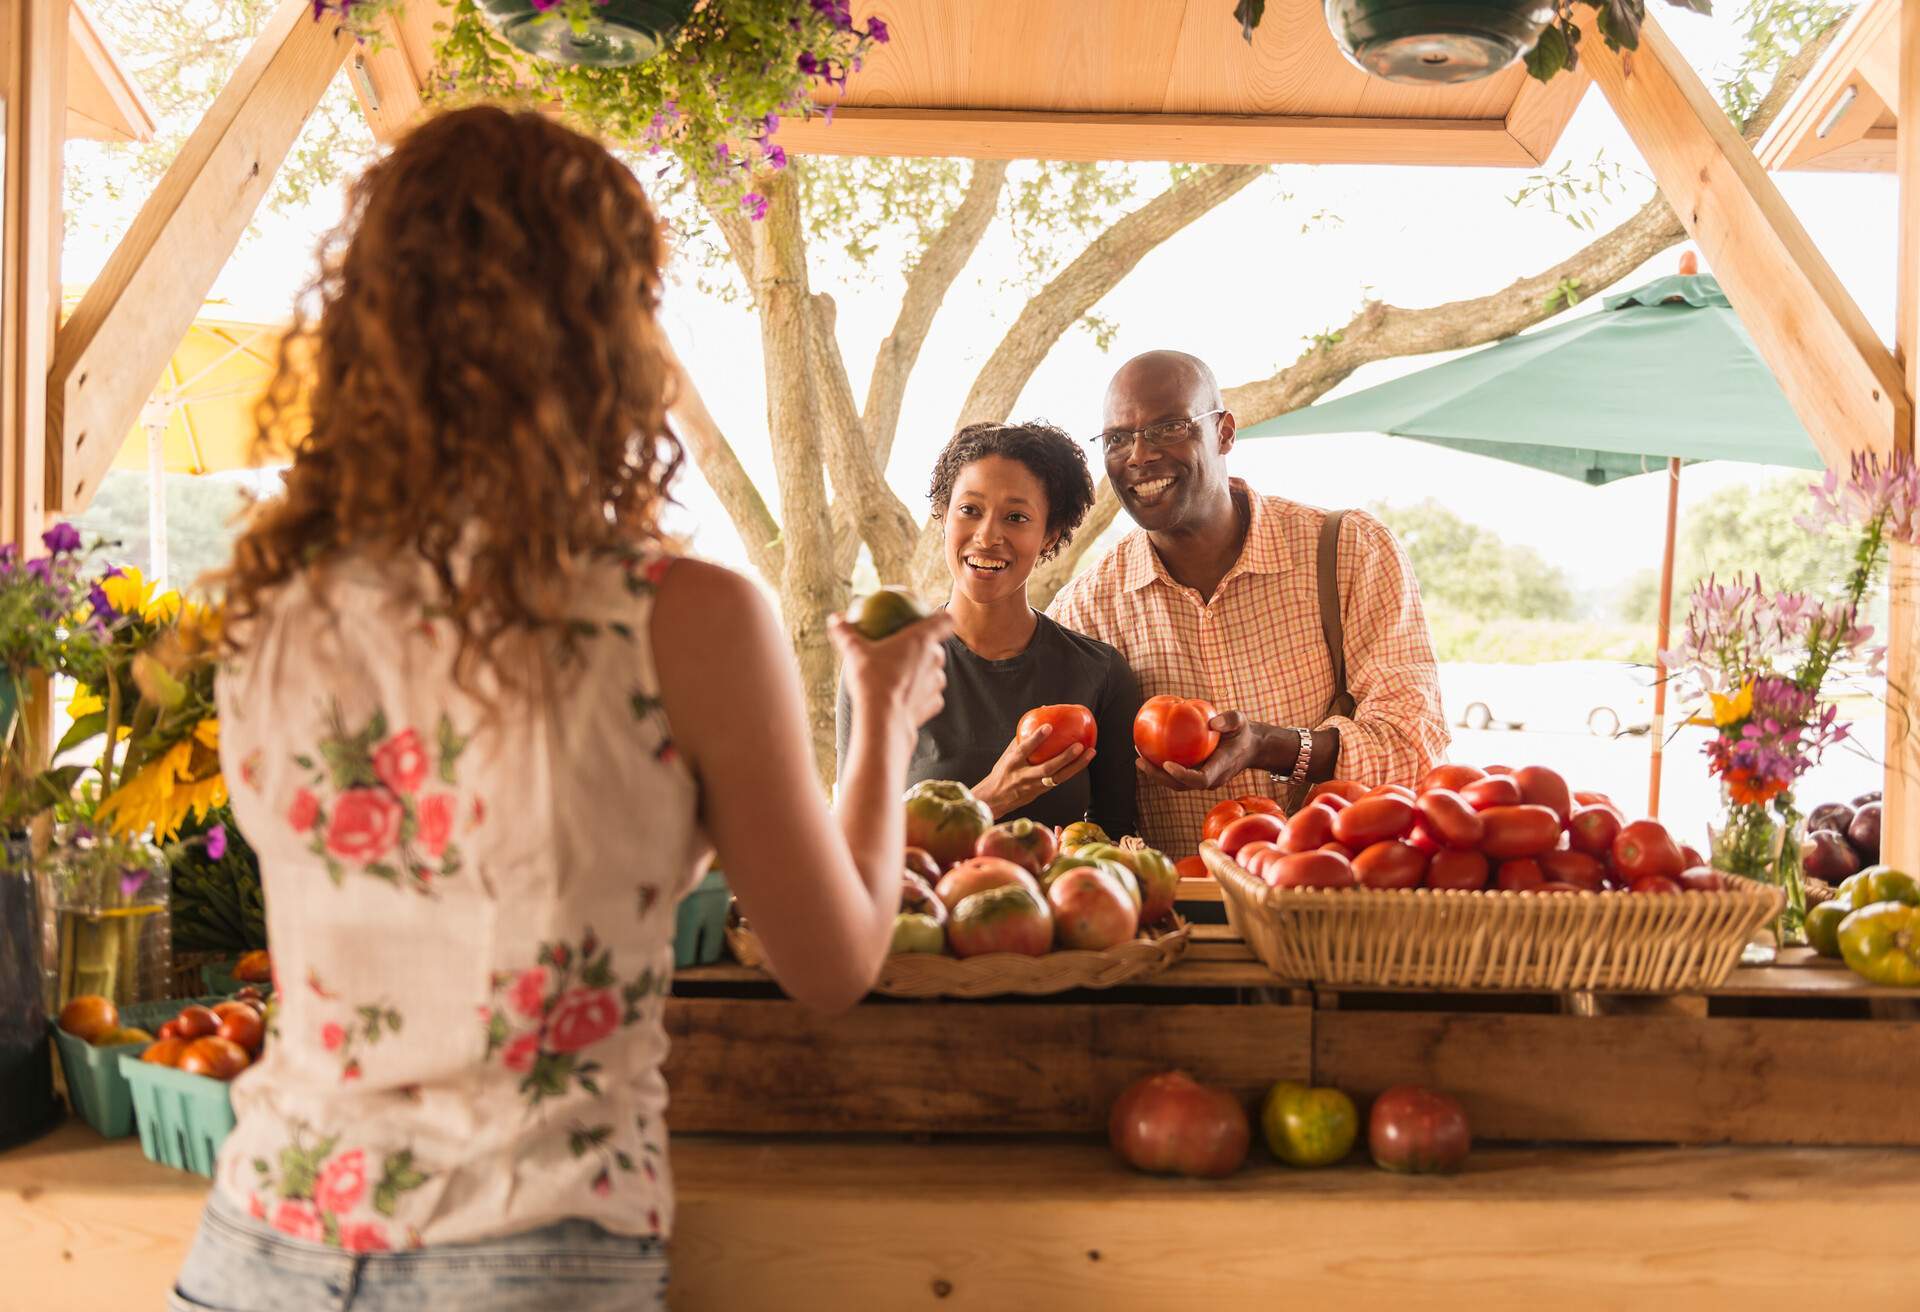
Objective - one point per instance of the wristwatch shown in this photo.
(1301, 764)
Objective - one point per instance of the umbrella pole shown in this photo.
(157, 502)
(1659, 734)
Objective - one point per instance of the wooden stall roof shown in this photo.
(103, 103)
(1843, 116)
(1113, 80)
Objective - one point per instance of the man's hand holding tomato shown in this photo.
(1246, 745)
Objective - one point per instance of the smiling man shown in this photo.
(1217, 595)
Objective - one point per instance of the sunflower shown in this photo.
(179, 783)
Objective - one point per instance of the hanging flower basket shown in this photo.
(1416, 41)
(598, 34)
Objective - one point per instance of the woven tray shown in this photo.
(926, 975)
(1450, 938)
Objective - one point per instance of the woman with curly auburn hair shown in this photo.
(484, 731)
(1010, 496)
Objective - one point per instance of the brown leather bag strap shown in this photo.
(1330, 620)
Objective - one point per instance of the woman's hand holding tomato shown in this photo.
(1017, 779)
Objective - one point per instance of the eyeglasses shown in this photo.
(1166, 433)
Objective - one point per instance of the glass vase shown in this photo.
(1762, 842)
(27, 1105)
(111, 922)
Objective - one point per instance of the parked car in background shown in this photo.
(1603, 698)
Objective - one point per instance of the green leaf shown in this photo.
(1248, 14)
(625, 1161)
(1549, 54)
(385, 871)
(304, 761)
(384, 1199)
(83, 728)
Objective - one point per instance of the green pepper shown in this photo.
(1823, 925)
(1881, 943)
(1881, 884)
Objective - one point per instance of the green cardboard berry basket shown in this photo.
(95, 1085)
(700, 924)
(183, 1118)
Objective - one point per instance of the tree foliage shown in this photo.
(1467, 570)
(200, 515)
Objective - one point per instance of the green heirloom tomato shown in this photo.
(1882, 943)
(1081, 833)
(1883, 884)
(885, 612)
(915, 931)
(945, 819)
(1823, 925)
(1308, 1127)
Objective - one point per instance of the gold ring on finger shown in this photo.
(1047, 779)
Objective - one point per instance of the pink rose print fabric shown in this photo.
(545, 1017)
(318, 1191)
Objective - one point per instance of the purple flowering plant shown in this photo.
(711, 98)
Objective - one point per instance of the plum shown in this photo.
(1864, 833)
(1830, 815)
(1829, 856)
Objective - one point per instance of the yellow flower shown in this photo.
(162, 794)
(1732, 710)
(85, 701)
(127, 592)
(162, 608)
(207, 733)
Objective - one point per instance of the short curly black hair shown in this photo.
(1053, 456)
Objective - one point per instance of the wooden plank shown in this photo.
(1541, 111)
(750, 1067)
(1854, 58)
(113, 350)
(1640, 1079)
(35, 71)
(1900, 839)
(386, 82)
(103, 103)
(1198, 138)
(1839, 376)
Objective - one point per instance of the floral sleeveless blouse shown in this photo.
(471, 907)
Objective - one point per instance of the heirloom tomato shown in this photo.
(945, 820)
(1308, 1127)
(1175, 729)
(1071, 724)
(1170, 1124)
(1418, 1131)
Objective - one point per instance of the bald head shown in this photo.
(1164, 375)
(1169, 486)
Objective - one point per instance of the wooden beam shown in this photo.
(1196, 138)
(1900, 809)
(386, 83)
(36, 75)
(112, 351)
(103, 103)
(1541, 111)
(1855, 59)
(1839, 376)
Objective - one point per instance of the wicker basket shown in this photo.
(927, 975)
(1449, 938)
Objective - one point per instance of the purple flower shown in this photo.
(837, 12)
(775, 156)
(9, 556)
(97, 598)
(755, 205)
(216, 842)
(41, 569)
(808, 64)
(827, 114)
(720, 152)
(544, 5)
(770, 124)
(61, 539)
(132, 880)
(877, 31)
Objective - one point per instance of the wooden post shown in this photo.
(1663, 627)
(1900, 811)
(121, 335)
(1839, 376)
(36, 76)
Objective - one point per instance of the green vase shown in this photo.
(9, 704)
(1762, 842)
(1449, 41)
(620, 32)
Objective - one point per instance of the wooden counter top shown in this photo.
(850, 1224)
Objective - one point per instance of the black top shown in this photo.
(985, 700)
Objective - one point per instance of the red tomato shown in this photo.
(1497, 769)
(1346, 788)
(1554, 886)
(195, 1023)
(1593, 799)
(1494, 790)
(1544, 787)
(1654, 884)
(1417, 1130)
(1520, 876)
(1447, 817)
(1171, 1124)
(1391, 790)
(164, 1052)
(1451, 777)
(1423, 838)
(1576, 868)
(1254, 856)
(213, 1056)
(1392, 864)
(1250, 829)
(1374, 819)
(1646, 848)
(1690, 856)
(1191, 867)
(1340, 850)
(1310, 827)
(1457, 869)
(1070, 724)
(1233, 808)
(1309, 870)
(1519, 831)
(240, 1023)
(169, 1030)
(1592, 830)
(1700, 879)
(1333, 801)
(1176, 729)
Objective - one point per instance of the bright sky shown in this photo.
(1243, 287)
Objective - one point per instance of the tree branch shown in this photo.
(945, 256)
(696, 428)
(860, 495)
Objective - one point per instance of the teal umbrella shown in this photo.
(1664, 374)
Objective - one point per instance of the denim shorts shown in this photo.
(238, 1264)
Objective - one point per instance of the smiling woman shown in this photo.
(1008, 497)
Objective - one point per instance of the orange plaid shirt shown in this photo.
(1256, 647)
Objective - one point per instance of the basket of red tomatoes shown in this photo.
(1472, 878)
